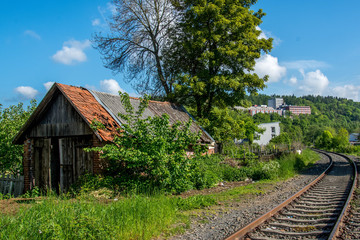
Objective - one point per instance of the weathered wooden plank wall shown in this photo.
(60, 161)
(60, 120)
(11, 184)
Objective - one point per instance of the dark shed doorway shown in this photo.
(58, 162)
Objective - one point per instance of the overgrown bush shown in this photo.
(150, 152)
(232, 174)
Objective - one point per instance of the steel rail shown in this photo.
(339, 223)
(251, 226)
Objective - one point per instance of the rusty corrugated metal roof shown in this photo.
(89, 108)
(104, 108)
(155, 108)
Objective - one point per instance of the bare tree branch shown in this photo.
(139, 33)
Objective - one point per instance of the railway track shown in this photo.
(350, 228)
(313, 213)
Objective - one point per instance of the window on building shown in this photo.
(272, 135)
(273, 129)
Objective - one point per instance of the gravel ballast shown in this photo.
(221, 221)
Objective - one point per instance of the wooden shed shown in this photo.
(57, 132)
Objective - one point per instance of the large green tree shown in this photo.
(213, 51)
(12, 119)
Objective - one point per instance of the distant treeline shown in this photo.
(330, 114)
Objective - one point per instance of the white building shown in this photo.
(275, 102)
(271, 130)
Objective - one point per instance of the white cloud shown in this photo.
(305, 64)
(293, 80)
(48, 85)
(314, 83)
(96, 22)
(266, 35)
(347, 91)
(269, 65)
(262, 34)
(72, 51)
(111, 86)
(32, 34)
(26, 92)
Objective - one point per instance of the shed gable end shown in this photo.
(59, 119)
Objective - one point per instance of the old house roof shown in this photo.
(104, 108)
(155, 108)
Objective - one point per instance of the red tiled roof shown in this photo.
(87, 106)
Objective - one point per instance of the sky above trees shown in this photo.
(316, 48)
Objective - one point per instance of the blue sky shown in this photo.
(316, 48)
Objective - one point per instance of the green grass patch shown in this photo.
(135, 217)
(292, 164)
(130, 218)
(141, 216)
(256, 188)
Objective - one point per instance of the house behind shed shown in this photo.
(57, 132)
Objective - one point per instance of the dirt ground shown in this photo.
(12, 206)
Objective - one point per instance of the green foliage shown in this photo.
(232, 174)
(129, 218)
(282, 138)
(294, 163)
(334, 141)
(330, 114)
(341, 139)
(325, 140)
(284, 167)
(150, 152)
(194, 202)
(34, 192)
(5, 196)
(213, 52)
(11, 120)
(226, 124)
(212, 169)
(233, 150)
(90, 182)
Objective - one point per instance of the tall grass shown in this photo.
(294, 163)
(130, 218)
(136, 217)
(145, 216)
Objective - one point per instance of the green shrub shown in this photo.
(207, 171)
(150, 152)
(232, 174)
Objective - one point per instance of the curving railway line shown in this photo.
(350, 227)
(316, 212)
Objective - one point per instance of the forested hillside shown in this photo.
(331, 114)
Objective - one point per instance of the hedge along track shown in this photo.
(315, 212)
